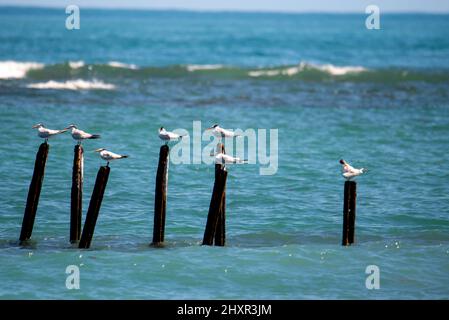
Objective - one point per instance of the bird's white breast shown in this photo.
(43, 133)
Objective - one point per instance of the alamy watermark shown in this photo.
(72, 22)
(372, 22)
(251, 146)
(72, 281)
(373, 279)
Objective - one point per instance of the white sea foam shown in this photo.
(264, 73)
(76, 64)
(339, 71)
(291, 71)
(16, 70)
(198, 67)
(72, 85)
(117, 64)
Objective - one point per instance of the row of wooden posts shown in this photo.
(215, 231)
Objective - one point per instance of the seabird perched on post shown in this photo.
(222, 133)
(46, 133)
(81, 135)
(109, 156)
(168, 136)
(222, 158)
(349, 172)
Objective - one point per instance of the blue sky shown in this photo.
(252, 5)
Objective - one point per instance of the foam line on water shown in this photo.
(72, 85)
(16, 69)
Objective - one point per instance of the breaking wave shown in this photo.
(199, 67)
(72, 85)
(17, 70)
(76, 64)
(304, 67)
(116, 64)
(114, 71)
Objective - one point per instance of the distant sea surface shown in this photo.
(377, 98)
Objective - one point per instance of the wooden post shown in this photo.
(160, 196)
(349, 210)
(352, 212)
(34, 192)
(220, 229)
(77, 194)
(94, 207)
(215, 225)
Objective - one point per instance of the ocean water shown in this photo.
(333, 89)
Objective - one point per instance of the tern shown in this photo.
(222, 158)
(80, 135)
(222, 133)
(167, 136)
(109, 156)
(349, 172)
(46, 133)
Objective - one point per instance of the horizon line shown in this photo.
(218, 10)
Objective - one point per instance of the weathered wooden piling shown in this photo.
(160, 196)
(34, 192)
(220, 230)
(216, 222)
(77, 194)
(349, 212)
(352, 212)
(94, 207)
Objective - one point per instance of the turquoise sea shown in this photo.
(333, 89)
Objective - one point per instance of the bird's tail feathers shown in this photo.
(125, 156)
(95, 136)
